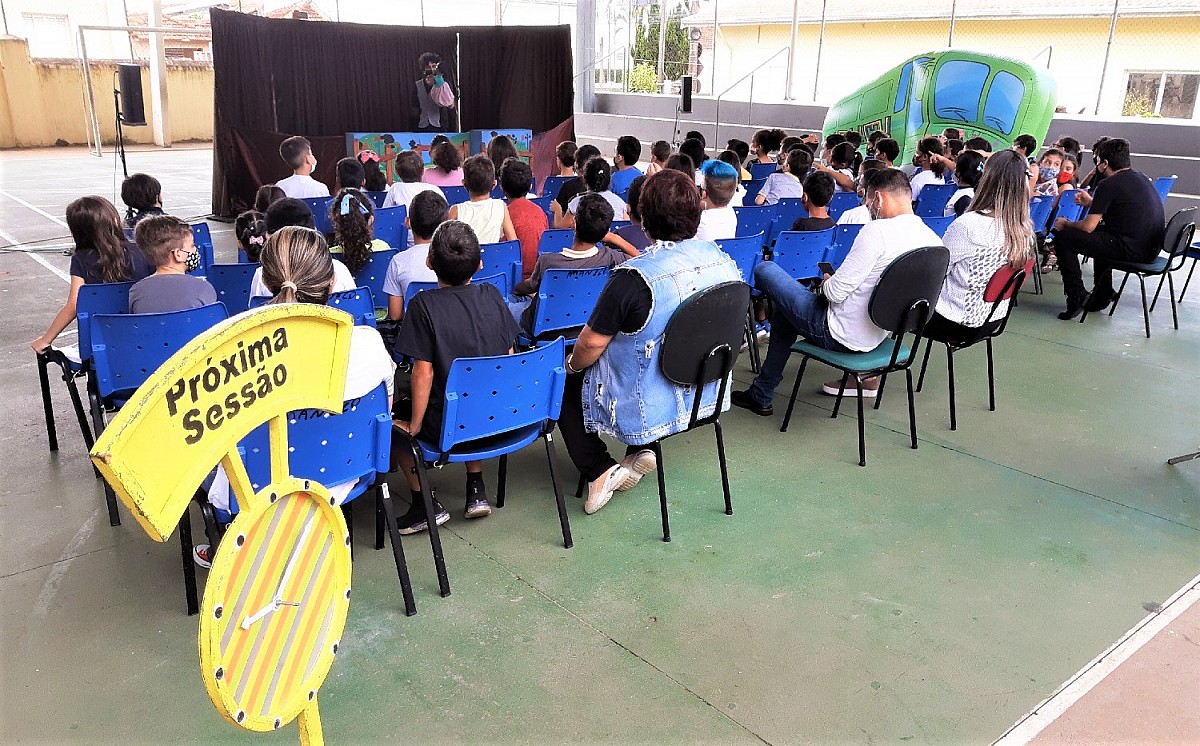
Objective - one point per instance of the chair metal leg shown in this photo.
(47, 403)
(991, 376)
(879, 391)
(1037, 283)
(579, 488)
(1117, 297)
(110, 497)
(924, 363)
(189, 565)
(1158, 291)
(80, 414)
(389, 510)
(752, 342)
(1174, 307)
(1188, 281)
(837, 403)
(1145, 308)
(950, 376)
(1185, 457)
(435, 539)
(787, 418)
(862, 425)
(724, 467)
(379, 514)
(662, 490)
(563, 521)
(348, 515)
(912, 409)
(501, 480)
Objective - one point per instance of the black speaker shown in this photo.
(133, 111)
(685, 92)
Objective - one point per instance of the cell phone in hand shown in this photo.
(825, 267)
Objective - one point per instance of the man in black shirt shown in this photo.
(1125, 223)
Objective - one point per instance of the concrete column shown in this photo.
(585, 56)
(158, 78)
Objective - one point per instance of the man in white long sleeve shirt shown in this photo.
(836, 316)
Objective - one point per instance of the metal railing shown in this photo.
(596, 64)
(748, 76)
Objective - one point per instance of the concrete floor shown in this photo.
(934, 596)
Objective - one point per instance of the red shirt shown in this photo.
(529, 222)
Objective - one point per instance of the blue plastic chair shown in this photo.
(552, 185)
(499, 280)
(202, 237)
(1068, 209)
(358, 302)
(746, 253)
(232, 283)
(456, 195)
(843, 240)
(757, 219)
(544, 203)
(798, 252)
(762, 170)
(841, 202)
(565, 301)
(1041, 208)
(619, 224)
(495, 406)
(753, 187)
(555, 240)
(932, 201)
(788, 211)
(377, 198)
(390, 228)
(374, 273)
(939, 224)
(1163, 185)
(320, 211)
(502, 258)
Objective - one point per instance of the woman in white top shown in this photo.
(933, 170)
(967, 172)
(994, 231)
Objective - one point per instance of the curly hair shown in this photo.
(446, 157)
(351, 213)
(251, 231)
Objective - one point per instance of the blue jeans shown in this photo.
(797, 312)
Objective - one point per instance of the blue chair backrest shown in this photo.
(841, 202)
(567, 297)
(320, 211)
(553, 184)
(1040, 209)
(499, 280)
(843, 241)
(374, 273)
(619, 224)
(203, 240)
(939, 224)
(358, 303)
(389, 227)
(798, 252)
(96, 298)
(456, 195)
(328, 448)
(555, 240)
(788, 211)
(931, 202)
(544, 203)
(487, 396)
(128, 347)
(1163, 185)
(257, 301)
(502, 258)
(753, 187)
(232, 283)
(746, 253)
(1067, 207)
(757, 219)
(377, 198)
(762, 170)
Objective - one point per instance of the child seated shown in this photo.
(488, 217)
(447, 164)
(167, 243)
(459, 319)
(1048, 168)
(408, 184)
(250, 229)
(427, 211)
(717, 218)
(592, 220)
(818, 193)
(786, 183)
(297, 153)
(597, 177)
(529, 221)
(353, 216)
(861, 215)
(968, 169)
(289, 212)
(373, 178)
(267, 195)
(350, 174)
(660, 151)
(142, 195)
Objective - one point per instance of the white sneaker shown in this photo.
(600, 491)
(638, 465)
(869, 391)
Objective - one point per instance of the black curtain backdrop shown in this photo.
(279, 77)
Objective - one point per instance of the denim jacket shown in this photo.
(625, 394)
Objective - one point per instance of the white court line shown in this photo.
(38, 210)
(36, 258)
(1051, 708)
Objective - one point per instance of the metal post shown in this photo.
(712, 76)
(585, 55)
(499, 12)
(953, 15)
(788, 89)
(158, 78)
(94, 123)
(422, 13)
(1112, 29)
(820, 47)
(662, 45)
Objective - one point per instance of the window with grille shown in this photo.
(1161, 94)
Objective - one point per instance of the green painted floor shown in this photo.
(934, 596)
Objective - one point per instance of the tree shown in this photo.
(645, 46)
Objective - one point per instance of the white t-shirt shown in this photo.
(849, 290)
(837, 187)
(954, 198)
(976, 244)
(739, 196)
(402, 193)
(922, 179)
(717, 223)
(408, 266)
(855, 216)
(342, 280)
(620, 209)
(370, 365)
(302, 187)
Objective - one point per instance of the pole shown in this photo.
(662, 45)
(1112, 29)
(499, 12)
(422, 13)
(158, 78)
(953, 14)
(820, 47)
(4, 16)
(788, 87)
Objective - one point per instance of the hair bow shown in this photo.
(256, 241)
(344, 207)
(368, 155)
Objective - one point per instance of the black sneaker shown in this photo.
(415, 521)
(1075, 306)
(477, 500)
(745, 401)
(1098, 301)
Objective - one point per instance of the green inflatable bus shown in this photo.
(997, 98)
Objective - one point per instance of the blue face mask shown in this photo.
(1048, 174)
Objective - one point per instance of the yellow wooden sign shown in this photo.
(279, 588)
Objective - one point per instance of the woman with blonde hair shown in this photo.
(994, 231)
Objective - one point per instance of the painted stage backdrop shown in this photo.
(387, 145)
